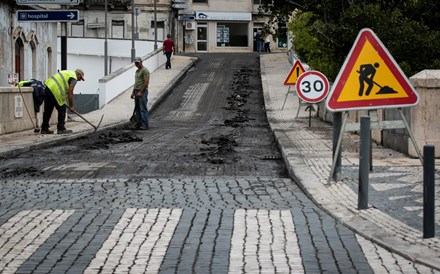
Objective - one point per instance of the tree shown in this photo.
(323, 31)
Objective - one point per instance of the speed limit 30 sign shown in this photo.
(312, 86)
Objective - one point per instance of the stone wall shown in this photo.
(18, 114)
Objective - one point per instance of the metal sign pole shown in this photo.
(285, 99)
(338, 147)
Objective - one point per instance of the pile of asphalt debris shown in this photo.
(6, 173)
(237, 100)
(220, 148)
(105, 139)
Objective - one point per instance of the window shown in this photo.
(232, 34)
(200, 1)
(282, 37)
(77, 29)
(118, 29)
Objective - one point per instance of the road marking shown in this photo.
(138, 242)
(264, 241)
(24, 233)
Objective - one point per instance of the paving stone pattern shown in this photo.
(172, 226)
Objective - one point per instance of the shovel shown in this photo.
(382, 90)
(95, 127)
(385, 89)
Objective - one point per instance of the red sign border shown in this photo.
(320, 75)
(363, 36)
(297, 62)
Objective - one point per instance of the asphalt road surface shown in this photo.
(205, 190)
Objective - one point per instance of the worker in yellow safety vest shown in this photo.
(59, 93)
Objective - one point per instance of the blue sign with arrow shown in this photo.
(47, 15)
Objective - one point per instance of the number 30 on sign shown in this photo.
(312, 86)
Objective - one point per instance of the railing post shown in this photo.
(364, 162)
(428, 191)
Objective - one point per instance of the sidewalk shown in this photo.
(307, 153)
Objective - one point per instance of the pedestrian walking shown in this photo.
(59, 93)
(267, 40)
(168, 50)
(140, 94)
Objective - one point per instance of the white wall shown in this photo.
(119, 81)
(88, 54)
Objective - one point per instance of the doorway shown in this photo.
(202, 37)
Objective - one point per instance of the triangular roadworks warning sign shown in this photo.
(370, 79)
(294, 74)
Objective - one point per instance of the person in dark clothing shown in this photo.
(168, 50)
(59, 93)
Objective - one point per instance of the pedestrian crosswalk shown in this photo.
(142, 240)
(24, 233)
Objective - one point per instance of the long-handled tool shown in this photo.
(95, 127)
(36, 128)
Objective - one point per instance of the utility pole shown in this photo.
(105, 42)
(155, 24)
(133, 50)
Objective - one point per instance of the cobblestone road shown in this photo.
(204, 191)
(242, 225)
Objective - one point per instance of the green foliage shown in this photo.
(323, 31)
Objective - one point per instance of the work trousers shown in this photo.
(49, 104)
(142, 110)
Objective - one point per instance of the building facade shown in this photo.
(194, 25)
(27, 49)
(224, 26)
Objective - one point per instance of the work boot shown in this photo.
(46, 131)
(64, 131)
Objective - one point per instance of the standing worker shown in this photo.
(59, 92)
(168, 49)
(140, 94)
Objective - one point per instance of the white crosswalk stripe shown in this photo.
(24, 233)
(264, 242)
(138, 242)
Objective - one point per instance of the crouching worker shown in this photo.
(38, 96)
(59, 93)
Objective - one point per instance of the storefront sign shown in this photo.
(223, 16)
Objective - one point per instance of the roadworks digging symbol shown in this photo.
(370, 79)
